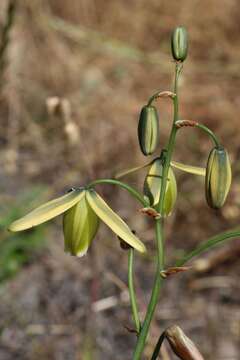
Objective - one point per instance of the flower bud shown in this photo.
(218, 177)
(153, 183)
(148, 129)
(80, 224)
(181, 345)
(179, 43)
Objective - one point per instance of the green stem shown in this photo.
(152, 98)
(136, 194)
(132, 291)
(159, 227)
(155, 293)
(210, 133)
(170, 147)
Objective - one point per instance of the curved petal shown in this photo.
(47, 211)
(196, 170)
(113, 221)
(126, 172)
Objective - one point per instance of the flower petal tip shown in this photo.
(78, 254)
(14, 227)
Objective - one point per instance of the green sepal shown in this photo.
(80, 224)
(195, 170)
(126, 172)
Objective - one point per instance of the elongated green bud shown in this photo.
(179, 43)
(218, 177)
(148, 129)
(181, 345)
(80, 224)
(152, 187)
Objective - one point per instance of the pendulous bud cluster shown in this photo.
(148, 129)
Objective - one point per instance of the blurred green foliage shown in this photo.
(19, 249)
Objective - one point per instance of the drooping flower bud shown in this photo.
(152, 187)
(218, 177)
(179, 43)
(181, 345)
(148, 129)
(80, 224)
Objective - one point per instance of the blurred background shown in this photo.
(100, 61)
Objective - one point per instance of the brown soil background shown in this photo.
(107, 58)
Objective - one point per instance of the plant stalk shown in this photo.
(132, 294)
(210, 133)
(136, 194)
(159, 225)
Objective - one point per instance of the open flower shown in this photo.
(82, 209)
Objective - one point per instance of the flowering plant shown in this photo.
(83, 207)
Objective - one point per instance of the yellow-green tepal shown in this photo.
(152, 187)
(218, 177)
(113, 221)
(148, 129)
(80, 224)
(179, 43)
(47, 211)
